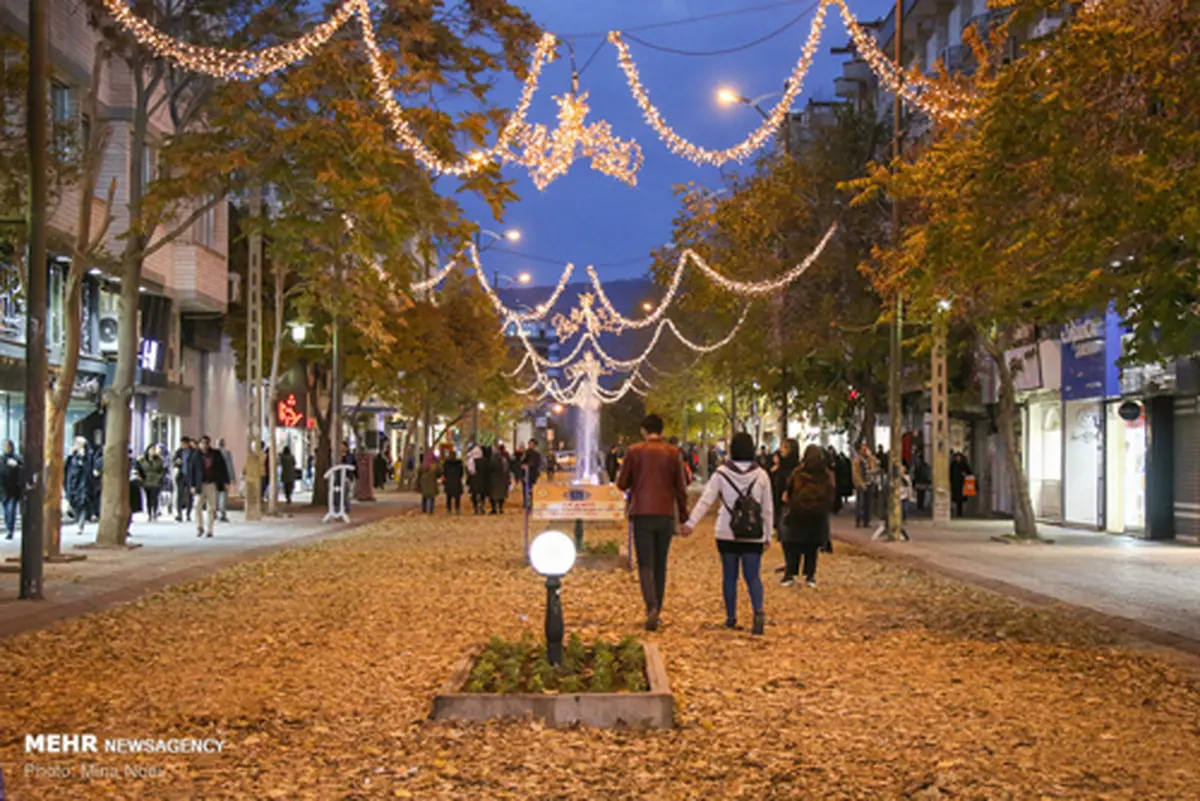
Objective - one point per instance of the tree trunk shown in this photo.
(272, 390)
(1025, 524)
(322, 462)
(56, 411)
(81, 260)
(114, 507)
(868, 424)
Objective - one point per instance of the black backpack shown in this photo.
(746, 514)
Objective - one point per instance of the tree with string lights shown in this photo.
(1072, 191)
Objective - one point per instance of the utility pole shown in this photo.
(34, 447)
(895, 523)
(939, 401)
(254, 354)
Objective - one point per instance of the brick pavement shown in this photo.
(170, 554)
(1145, 588)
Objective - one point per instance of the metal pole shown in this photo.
(939, 394)
(554, 621)
(895, 523)
(254, 356)
(34, 447)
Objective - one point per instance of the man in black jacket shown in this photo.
(208, 476)
(11, 468)
(182, 462)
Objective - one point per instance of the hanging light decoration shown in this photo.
(549, 154)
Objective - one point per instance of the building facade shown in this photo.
(185, 381)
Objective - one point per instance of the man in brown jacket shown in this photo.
(652, 474)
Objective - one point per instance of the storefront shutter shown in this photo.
(1187, 467)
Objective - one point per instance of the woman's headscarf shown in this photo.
(430, 459)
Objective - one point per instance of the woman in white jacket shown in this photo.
(744, 524)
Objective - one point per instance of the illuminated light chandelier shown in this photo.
(584, 317)
(549, 154)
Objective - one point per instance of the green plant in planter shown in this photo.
(522, 666)
(605, 548)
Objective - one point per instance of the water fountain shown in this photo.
(588, 463)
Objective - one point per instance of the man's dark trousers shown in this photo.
(652, 540)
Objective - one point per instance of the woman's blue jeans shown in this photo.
(751, 565)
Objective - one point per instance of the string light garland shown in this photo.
(224, 63)
(739, 152)
(546, 154)
(912, 86)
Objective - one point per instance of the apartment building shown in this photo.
(1105, 446)
(185, 380)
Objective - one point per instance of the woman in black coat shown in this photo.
(810, 500)
(498, 477)
(960, 468)
(79, 481)
(452, 482)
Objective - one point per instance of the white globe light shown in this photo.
(552, 553)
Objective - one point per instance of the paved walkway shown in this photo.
(1149, 589)
(170, 554)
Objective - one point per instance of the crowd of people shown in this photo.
(487, 473)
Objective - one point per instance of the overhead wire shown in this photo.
(727, 50)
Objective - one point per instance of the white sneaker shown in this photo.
(811, 583)
(787, 582)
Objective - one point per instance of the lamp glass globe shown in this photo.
(552, 553)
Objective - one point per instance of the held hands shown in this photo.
(685, 530)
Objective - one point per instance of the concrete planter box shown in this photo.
(654, 709)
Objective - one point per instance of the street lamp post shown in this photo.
(552, 554)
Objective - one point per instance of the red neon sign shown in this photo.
(286, 413)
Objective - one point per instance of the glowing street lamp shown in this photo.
(552, 554)
(647, 306)
(299, 332)
(727, 97)
(512, 235)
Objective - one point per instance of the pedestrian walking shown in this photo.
(453, 471)
(744, 525)
(532, 468)
(287, 473)
(136, 503)
(380, 468)
(960, 468)
(863, 472)
(475, 465)
(498, 477)
(79, 481)
(427, 481)
(789, 460)
(223, 496)
(182, 464)
(96, 462)
(809, 501)
(12, 468)
(652, 474)
(153, 470)
(207, 477)
(551, 465)
(612, 464)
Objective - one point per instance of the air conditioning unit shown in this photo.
(109, 322)
(1044, 28)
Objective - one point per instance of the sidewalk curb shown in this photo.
(54, 613)
(1185, 647)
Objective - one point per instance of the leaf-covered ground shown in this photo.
(318, 666)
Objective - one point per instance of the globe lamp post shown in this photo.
(552, 554)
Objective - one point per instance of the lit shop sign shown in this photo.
(287, 414)
(148, 358)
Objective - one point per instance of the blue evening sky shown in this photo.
(589, 218)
